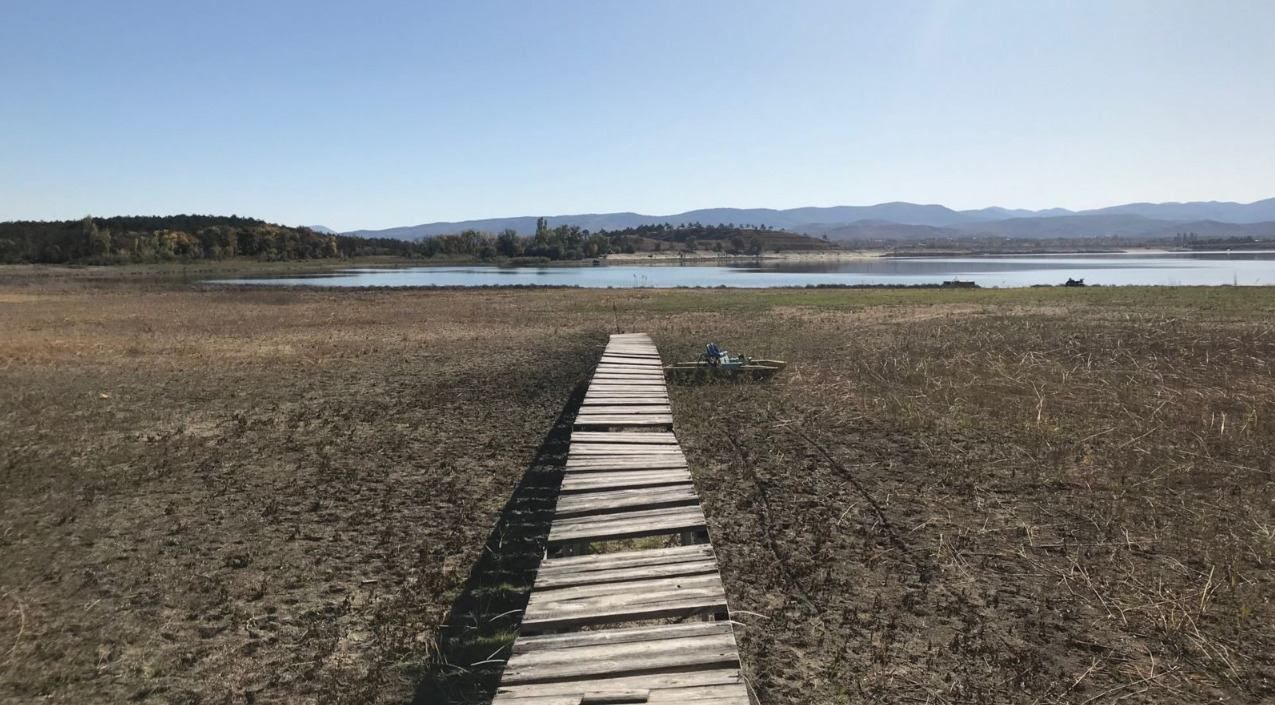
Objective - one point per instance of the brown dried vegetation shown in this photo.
(223, 496)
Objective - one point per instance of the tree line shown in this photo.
(125, 239)
(135, 239)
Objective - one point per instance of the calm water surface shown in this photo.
(1193, 269)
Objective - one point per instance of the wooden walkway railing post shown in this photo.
(630, 626)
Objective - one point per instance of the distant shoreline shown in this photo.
(706, 256)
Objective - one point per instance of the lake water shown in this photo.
(1189, 269)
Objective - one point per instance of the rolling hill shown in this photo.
(911, 221)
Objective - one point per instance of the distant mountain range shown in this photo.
(911, 221)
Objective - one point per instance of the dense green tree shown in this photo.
(508, 244)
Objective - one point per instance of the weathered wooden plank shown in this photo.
(652, 371)
(601, 417)
(711, 695)
(655, 399)
(591, 449)
(652, 452)
(611, 651)
(649, 606)
(619, 636)
(647, 452)
(618, 464)
(648, 437)
(625, 401)
(676, 515)
(585, 457)
(620, 659)
(623, 479)
(634, 409)
(593, 409)
(621, 500)
(626, 590)
(651, 397)
(652, 421)
(613, 420)
(626, 525)
(627, 571)
(623, 560)
(624, 575)
(662, 394)
(625, 392)
(661, 640)
(593, 463)
(657, 682)
(640, 520)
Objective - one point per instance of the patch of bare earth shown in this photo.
(997, 507)
(991, 497)
(251, 496)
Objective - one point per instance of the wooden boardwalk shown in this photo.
(628, 626)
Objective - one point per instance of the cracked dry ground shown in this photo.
(1002, 497)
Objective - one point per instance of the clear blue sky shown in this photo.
(376, 114)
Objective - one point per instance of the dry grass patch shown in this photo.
(969, 496)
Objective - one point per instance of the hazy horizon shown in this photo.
(395, 114)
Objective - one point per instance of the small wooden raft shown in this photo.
(630, 626)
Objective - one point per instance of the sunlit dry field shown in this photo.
(230, 496)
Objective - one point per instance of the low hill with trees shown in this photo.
(133, 239)
(725, 239)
